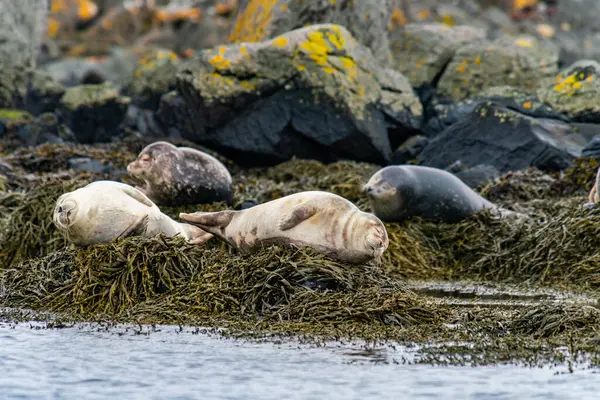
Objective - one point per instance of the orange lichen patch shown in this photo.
(165, 15)
(188, 53)
(397, 19)
(478, 60)
(226, 8)
(572, 82)
(252, 24)
(519, 5)
(280, 41)
(53, 27)
(423, 14)
(284, 7)
(86, 10)
(527, 105)
(462, 67)
(106, 24)
(219, 61)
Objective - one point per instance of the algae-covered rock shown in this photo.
(421, 51)
(22, 28)
(43, 94)
(495, 135)
(93, 112)
(576, 91)
(442, 114)
(524, 63)
(154, 77)
(44, 129)
(367, 20)
(314, 93)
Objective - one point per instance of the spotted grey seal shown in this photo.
(106, 210)
(176, 176)
(323, 221)
(399, 192)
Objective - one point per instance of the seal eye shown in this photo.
(60, 210)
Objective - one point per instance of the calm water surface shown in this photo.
(87, 363)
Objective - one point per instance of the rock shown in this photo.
(154, 77)
(576, 91)
(422, 51)
(506, 140)
(143, 121)
(525, 63)
(44, 129)
(592, 149)
(93, 112)
(22, 27)
(442, 115)
(43, 94)
(579, 14)
(176, 118)
(90, 165)
(409, 150)
(314, 92)
(367, 20)
(479, 175)
(117, 68)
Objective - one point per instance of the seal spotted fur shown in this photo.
(176, 176)
(106, 210)
(323, 221)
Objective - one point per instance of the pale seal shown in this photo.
(177, 176)
(106, 210)
(322, 221)
(399, 192)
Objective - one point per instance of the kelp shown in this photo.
(169, 277)
(28, 230)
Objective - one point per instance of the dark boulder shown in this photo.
(441, 115)
(409, 150)
(494, 135)
(93, 112)
(46, 128)
(314, 92)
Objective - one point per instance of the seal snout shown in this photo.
(65, 213)
(377, 240)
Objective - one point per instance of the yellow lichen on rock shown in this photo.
(251, 25)
(571, 82)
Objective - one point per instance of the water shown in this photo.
(169, 364)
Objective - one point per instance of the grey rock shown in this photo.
(506, 140)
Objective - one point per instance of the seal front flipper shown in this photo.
(138, 195)
(138, 228)
(299, 213)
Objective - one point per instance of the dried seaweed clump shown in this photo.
(167, 280)
(518, 186)
(345, 178)
(560, 249)
(578, 179)
(553, 320)
(54, 157)
(29, 231)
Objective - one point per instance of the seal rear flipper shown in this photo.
(297, 214)
(197, 235)
(138, 228)
(208, 220)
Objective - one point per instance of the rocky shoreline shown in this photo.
(293, 97)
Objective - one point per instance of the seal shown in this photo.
(323, 221)
(107, 210)
(399, 192)
(177, 176)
